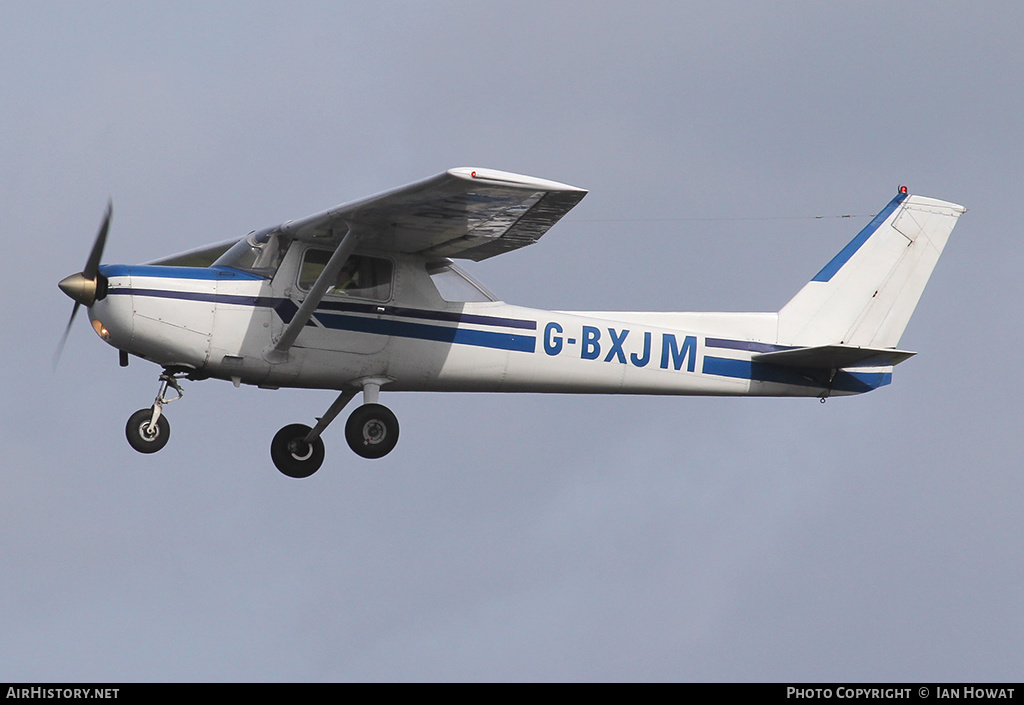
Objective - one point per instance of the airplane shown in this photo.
(366, 296)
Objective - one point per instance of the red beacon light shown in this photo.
(903, 190)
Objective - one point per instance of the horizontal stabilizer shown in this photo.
(834, 357)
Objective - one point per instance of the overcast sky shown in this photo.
(519, 537)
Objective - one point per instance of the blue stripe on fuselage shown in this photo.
(338, 314)
(843, 381)
(748, 345)
(163, 272)
(423, 331)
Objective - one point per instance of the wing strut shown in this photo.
(278, 353)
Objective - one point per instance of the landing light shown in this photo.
(100, 330)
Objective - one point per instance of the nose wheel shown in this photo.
(144, 435)
(148, 430)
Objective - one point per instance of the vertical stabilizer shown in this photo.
(866, 294)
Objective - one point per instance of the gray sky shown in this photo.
(519, 537)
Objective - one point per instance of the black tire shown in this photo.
(139, 437)
(292, 455)
(372, 431)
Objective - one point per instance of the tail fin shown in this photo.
(867, 293)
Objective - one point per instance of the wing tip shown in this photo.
(508, 178)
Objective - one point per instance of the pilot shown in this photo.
(348, 277)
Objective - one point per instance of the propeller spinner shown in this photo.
(88, 286)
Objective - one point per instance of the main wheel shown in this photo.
(292, 455)
(141, 438)
(372, 431)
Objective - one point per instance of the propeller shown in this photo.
(88, 286)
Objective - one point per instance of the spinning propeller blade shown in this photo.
(86, 287)
(92, 265)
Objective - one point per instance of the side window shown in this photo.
(360, 277)
(456, 286)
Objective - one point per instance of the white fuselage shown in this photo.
(220, 322)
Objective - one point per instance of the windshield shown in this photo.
(259, 253)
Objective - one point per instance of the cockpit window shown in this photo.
(259, 253)
(456, 286)
(360, 276)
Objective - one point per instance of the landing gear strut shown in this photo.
(148, 429)
(371, 431)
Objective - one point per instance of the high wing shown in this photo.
(462, 213)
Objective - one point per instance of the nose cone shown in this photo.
(79, 289)
(84, 290)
